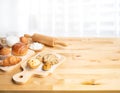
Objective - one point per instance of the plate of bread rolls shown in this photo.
(41, 65)
(13, 53)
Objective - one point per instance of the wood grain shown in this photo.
(27, 73)
(87, 59)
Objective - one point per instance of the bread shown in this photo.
(11, 60)
(50, 58)
(24, 40)
(19, 49)
(5, 51)
(46, 66)
(33, 63)
(1, 46)
(40, 57)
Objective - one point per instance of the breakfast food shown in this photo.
(50, 58)
(11, 60)
(24, 40)
(36, 46)
(40, 57)
(4, 52)
(33, 63)
(19, 49)
(1, 46)
(11, 40)
(46, 66)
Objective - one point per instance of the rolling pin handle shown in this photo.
(58, 42)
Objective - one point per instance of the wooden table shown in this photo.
(91, 64)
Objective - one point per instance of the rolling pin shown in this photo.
(47, 40)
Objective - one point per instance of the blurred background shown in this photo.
(68, 18)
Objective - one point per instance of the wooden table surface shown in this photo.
(91, 64)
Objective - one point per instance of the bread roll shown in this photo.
(50, 58)
(33, 63)
(19, 49)
(5, 51)
(11, 60)
(46, 66)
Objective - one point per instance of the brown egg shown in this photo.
(24, 40)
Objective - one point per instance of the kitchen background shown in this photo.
(75, 18)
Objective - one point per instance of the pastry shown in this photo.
(36, 46)
(11, 40)
(11, 60)
(24, 40)
(19, 49)
(1, 46)
(46, 66)
(4, 52)
(50, 58)
(40, 57)
(33, 63)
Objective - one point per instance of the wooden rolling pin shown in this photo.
(47, 40)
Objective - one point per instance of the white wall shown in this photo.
(81, 18)
(8, 16)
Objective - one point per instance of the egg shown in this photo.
(23, 40)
